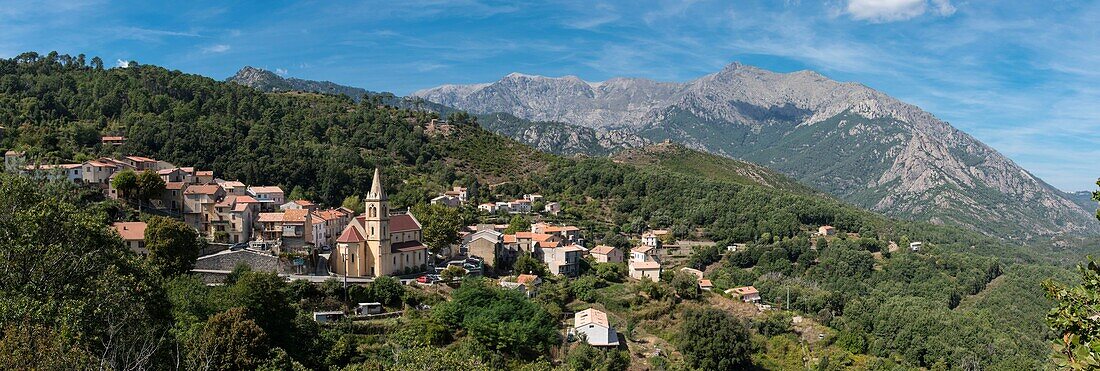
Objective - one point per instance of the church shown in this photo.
(379, 244)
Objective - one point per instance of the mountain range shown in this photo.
(843, 138)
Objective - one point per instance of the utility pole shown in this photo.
(788, 302)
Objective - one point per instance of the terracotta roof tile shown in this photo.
(403, 222)
(350, 235)
(131, 231)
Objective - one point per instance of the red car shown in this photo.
(423, 279)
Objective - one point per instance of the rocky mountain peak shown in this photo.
(845, 138)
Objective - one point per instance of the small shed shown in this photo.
(369, 308)
(329, 316)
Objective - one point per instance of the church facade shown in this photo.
(377, 243)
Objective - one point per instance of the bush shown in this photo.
(712, 339)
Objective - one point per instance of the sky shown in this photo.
(1021, 76)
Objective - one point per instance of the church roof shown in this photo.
(350, 235)
(407, 246)
(404, 222)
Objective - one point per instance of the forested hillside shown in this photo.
(889, 307)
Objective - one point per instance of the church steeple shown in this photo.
(377, 219)
(376, 191)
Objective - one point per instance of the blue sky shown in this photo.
(1022, 76)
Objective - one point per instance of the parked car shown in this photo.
(423, 279)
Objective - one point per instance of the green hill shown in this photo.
(678, 159)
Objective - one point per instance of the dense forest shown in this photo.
(955, 304)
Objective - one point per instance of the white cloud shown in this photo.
(122, 64)
(218, 48)
(281, 71)
(881, 11)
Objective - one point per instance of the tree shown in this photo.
(613, 272)
(264, 298)
(173, 246)
(439, 225)
(518, 224)
(149, 185)
(452, 273)
(229, 341)
(126, 183)
(297, 193)
(353, 203)
(685, 285)
(712, 339)
(387, 290)
(1078, 347)
(527, 264)
(502, 320)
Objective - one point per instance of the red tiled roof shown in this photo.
(407, 246)
(350, 235)
(247, 200)
(745, 290)
(271, 217)
(295, 216)
(403, 222)
(140, 159)
(174, 185)
(526, 278)
(303, 203)
(705, 283)
(509, 238)
(645, 265)
(602, 249)
(131, 231)
(266, 189)
(205, 172)
(205, 189)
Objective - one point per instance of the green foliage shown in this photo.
(148, 185)
(126, 183)
(686, 285)
(518, 223)
(1074, 318)
(451, 273)
(68, 275)
(353, 203)
(774, 323)
(264, 299)
(229, 341)
(173, 246)
(712, 339)
(852, 341)
(527, 264)
(502, 320)
(440, 225)
(612, 272)
(585, 288)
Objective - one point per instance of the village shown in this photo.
(257, 226)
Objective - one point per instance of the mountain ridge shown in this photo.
(888, 155)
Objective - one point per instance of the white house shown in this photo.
(595, 327)
(653, 238)
(649, 269)
(447, 200)
(643, 253)
(606, 254)
(488, 207)
(915, 246)
(552, 208)
(747, 294)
